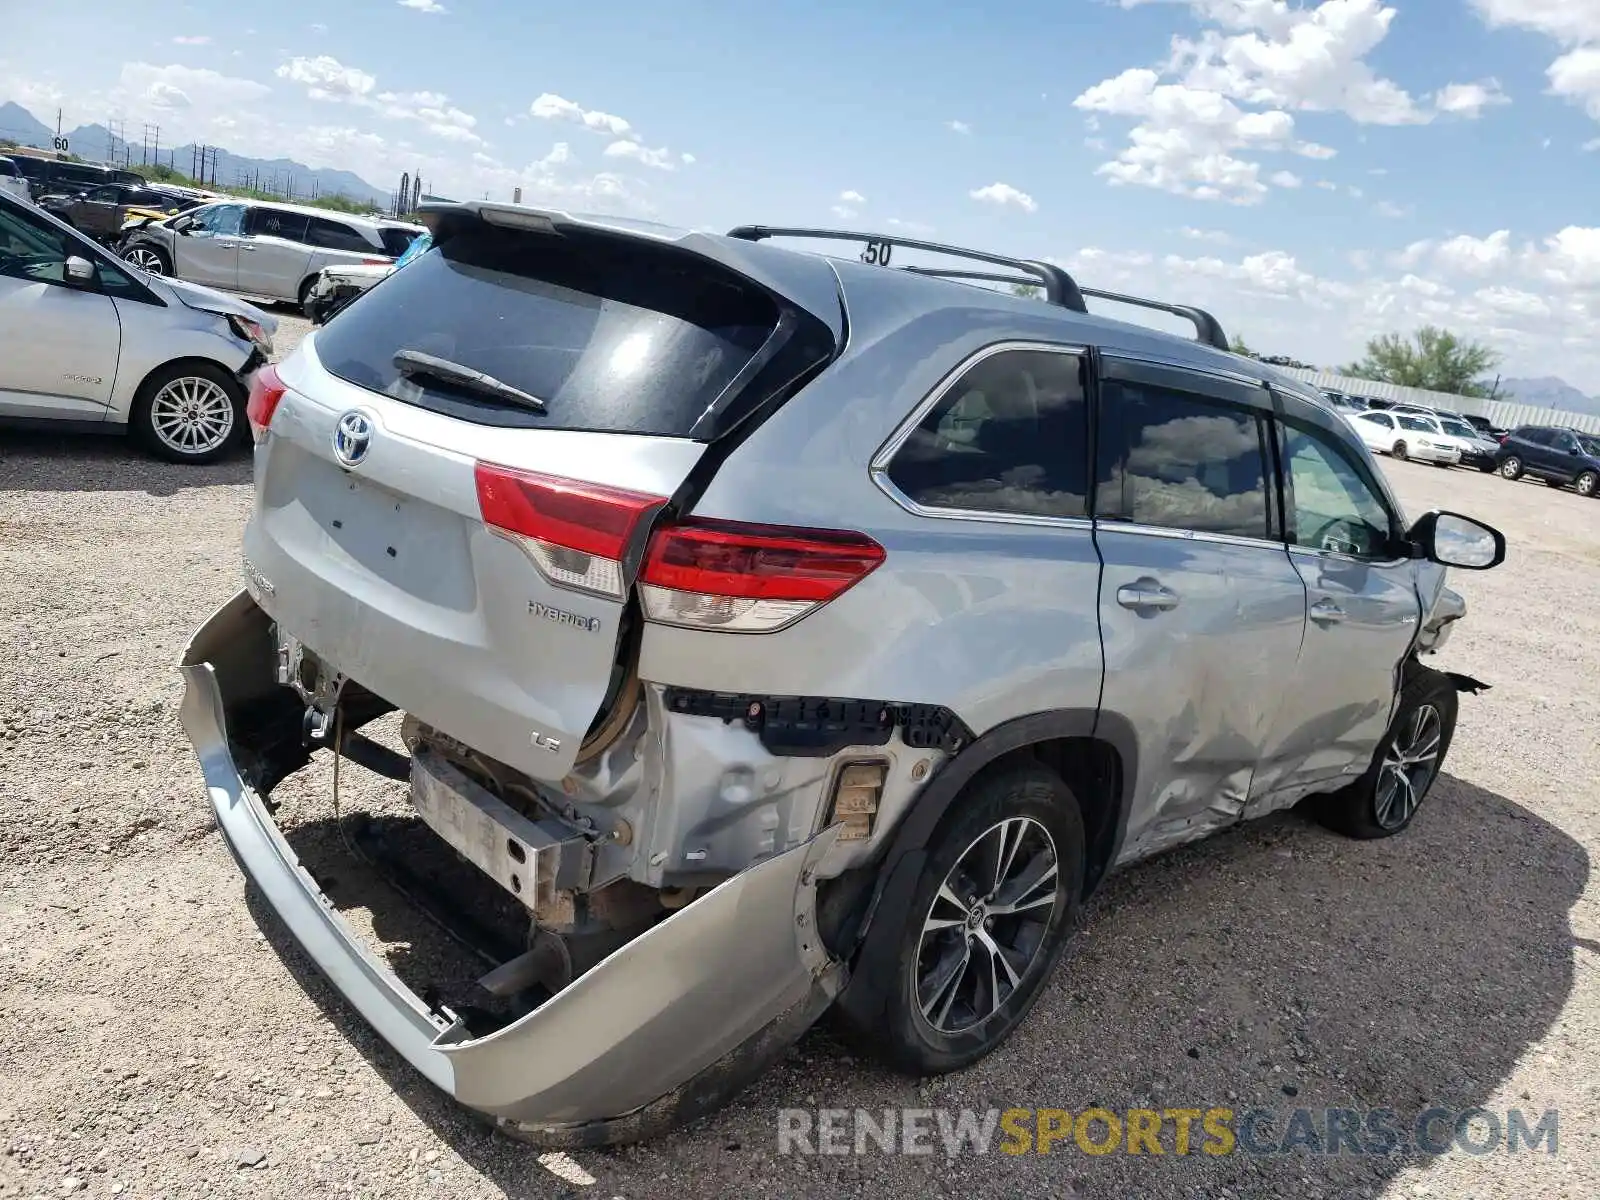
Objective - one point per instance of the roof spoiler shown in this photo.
(1059, 287)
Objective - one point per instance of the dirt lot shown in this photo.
(160, 1037)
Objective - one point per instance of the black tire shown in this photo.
(1445, 465)
(143, 421)
(1588, 483)
(1362, 810)
(907, 1040)
(1510, 467)
(305, 291)
(1400, 451)
(145, 247)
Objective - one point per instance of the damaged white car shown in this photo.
(779, 632)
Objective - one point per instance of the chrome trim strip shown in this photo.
(878, 469)
(1187, 535)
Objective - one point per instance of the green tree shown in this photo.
(1431, 358)
(1238, 346)
(1028, 291)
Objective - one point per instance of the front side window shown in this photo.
(1331, 505)
(31, 250)
(1181, 461)
(1010, 437)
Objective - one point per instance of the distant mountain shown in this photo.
(93, 142)
(1550, 392)
(22, 127)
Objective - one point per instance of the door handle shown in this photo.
(1146, 595)
(1326, 612)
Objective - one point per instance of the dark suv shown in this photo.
(101, 211)
(1558, 456)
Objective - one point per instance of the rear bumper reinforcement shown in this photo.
(662, 1031)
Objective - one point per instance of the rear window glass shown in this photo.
(613, 335)
(335, 235)
(9, 168)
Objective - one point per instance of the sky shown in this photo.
(1313, 173)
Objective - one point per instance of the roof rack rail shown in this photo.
(1059, 287)
(1207, 328)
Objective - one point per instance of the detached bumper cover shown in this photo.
(660, 1032)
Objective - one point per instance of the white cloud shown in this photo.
(434, 111)
(199, 39)
(1327, 185)
(1232, 90)
(550, 107)
(843, 211)
(1003, 195)
(1535, 301)
(1284, 179)
(559, 153)
(1215, 236)
(1575, 25)
(1388, 208)
(687, 158)
(326, 78)
(316, 27)
(424, 6)
(143, 86)
(958, 127)
(1470, 99)
(660, 159)
(851, 196)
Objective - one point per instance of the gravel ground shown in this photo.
(160, 1036)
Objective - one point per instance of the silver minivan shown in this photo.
(261, 249)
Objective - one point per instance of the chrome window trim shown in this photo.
(878, 469)
(1337, 556)
(1188, 535)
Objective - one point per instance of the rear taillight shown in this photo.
(748, 578)
(576, 533)
(266, 389)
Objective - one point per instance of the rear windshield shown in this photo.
(613, 335)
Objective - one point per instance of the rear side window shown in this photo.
(1530, 433)
(272, 222)
(1181, 461)
(613, 335)
(334, 235)
(1010, 437)
(8, 168)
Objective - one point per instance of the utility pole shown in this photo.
(155, 147)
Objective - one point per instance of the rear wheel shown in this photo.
(148, 259)
(987, 923)
(1511, 467)
(190, 412)
(1400, 451)
(1408, 760)
(1587, 483)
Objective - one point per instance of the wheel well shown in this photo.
(142, 391)
(1093, 770)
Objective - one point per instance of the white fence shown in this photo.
(1505, 414)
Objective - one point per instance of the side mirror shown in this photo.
(1453, 540)
(80, 272)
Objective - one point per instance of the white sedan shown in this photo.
(1405, 436)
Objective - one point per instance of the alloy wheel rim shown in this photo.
(192, 415)
(146, 260)
(1409, 766)
(1510, 467)
(986, 925)
(1586, 485)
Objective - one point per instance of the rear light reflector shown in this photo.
(266, 389)
(576, 533)
(704, 574)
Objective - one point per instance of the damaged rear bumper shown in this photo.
(662, 1031)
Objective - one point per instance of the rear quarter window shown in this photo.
(335, 235)
(613, 335)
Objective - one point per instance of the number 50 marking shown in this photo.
(877, 253)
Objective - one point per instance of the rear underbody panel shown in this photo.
(658, 1032)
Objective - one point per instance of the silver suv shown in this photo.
(263, 249)
(779, 633)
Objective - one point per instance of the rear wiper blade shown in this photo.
(414, 362)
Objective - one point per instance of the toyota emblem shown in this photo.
(352, 437)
